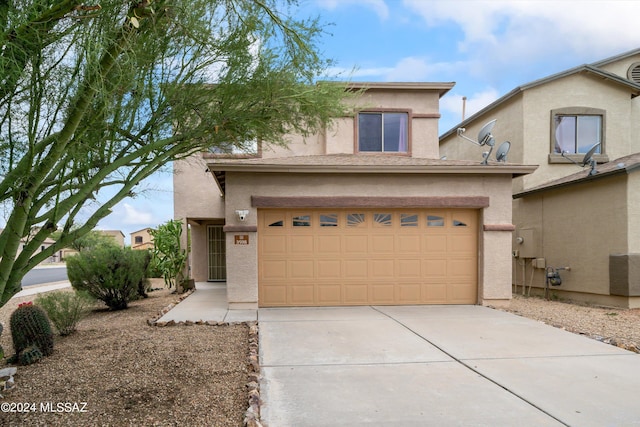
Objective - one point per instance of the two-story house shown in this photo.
(566, 216)
(364, 213)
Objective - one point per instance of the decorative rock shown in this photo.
(8, 372)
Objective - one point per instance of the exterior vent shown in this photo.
(634, 72)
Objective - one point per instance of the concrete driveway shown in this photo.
(438, 366)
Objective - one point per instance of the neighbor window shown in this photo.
(576, 129)
(383, 132)
(137, 240)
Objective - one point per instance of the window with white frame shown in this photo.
(576, 130)
(383, 132)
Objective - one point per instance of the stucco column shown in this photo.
(495, 283)
(242, 266)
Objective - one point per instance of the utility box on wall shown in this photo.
(526, 244)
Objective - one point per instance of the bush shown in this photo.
(110, 274)
(65, 309)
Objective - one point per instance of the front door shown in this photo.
(217, 254)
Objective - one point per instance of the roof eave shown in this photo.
(491, 169)
(588, 178)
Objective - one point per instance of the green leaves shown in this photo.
(167, 250)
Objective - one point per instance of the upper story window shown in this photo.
(383, 132)
(574, 130)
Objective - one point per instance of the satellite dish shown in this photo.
(484, 136)
(588, 157)
(503, 150)
(586, 160)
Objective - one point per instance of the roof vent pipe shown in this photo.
(464, 107)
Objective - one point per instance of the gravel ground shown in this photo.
(130, 373)
(619, 327)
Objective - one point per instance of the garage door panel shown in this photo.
(276, 245)
(409, 293)
(382, 244)
(356, 269)
(367, 256)
(461, 243)
(458, 268)
(435, 292)
(435, 268)
(301, 244)
(274, 270)
(329, 294)
(382, 294)
(301, 295)
(329, 269)
(329, 244)
(461, 293)
(435, 243)
(409, 244)
(381, 268)
(274, 295)
(410, 268)
(356, 244)
(301, 269)
(356, 294)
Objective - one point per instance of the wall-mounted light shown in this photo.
(242, 214)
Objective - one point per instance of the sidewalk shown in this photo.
(36, 289)
(208, 303)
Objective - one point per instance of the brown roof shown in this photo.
(361, 163)
(626, 164)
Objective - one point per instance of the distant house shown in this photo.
(564, 216)
(116, 235)
(57, 257)
(142, 239)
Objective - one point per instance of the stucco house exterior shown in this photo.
(565, 217)
(364, 213)
(141, 239)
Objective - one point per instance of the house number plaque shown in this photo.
(241, 239)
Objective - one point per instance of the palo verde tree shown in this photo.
(95, 96)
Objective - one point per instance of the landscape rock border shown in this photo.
(252, 414)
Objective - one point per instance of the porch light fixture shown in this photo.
(242, 214)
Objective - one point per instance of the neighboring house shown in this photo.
(563, 216)
(364, 213)
(116, 235)
(142, 239)
(57, 257)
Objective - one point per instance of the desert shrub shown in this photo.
(65, 309)
(144, 259)
(31, 334)
(153, 270)
(167, 250)
(108, 273)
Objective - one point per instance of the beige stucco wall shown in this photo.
(525, 121)
(508, 127)
(577, 226)
(494, 255)
(195, 192)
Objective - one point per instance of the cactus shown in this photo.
(30, 355)
(30, 330)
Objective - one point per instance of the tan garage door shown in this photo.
(367, 257)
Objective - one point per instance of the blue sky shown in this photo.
(487, 48)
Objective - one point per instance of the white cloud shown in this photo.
(133, 216)
(378, 6)
(504, 33)
(451, 106)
